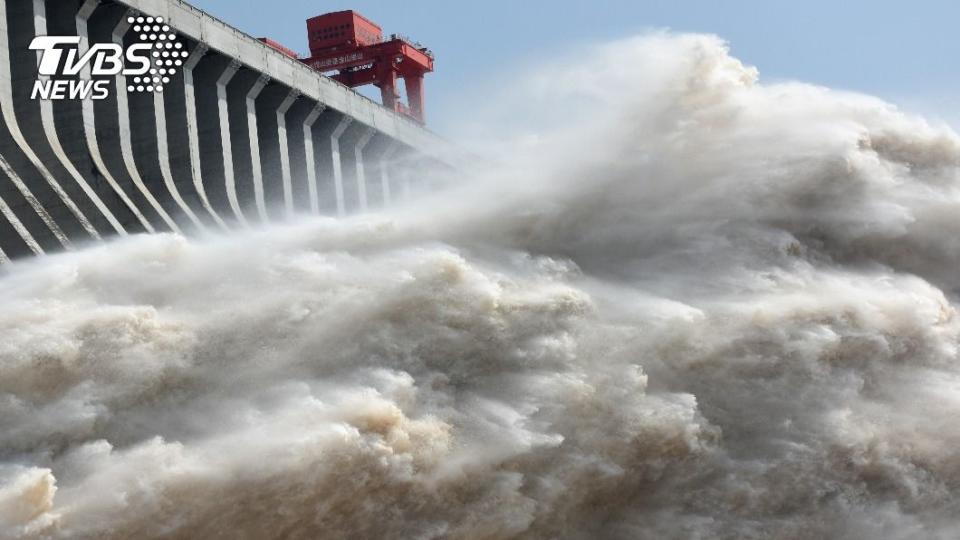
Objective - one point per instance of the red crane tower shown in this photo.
(351, 44)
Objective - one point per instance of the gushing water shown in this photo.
(710, 308)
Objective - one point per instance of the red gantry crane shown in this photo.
(354, 47)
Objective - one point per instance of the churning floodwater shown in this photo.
(694, 306)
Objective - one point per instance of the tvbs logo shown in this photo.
(64, 73)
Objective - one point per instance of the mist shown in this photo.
(680, 303)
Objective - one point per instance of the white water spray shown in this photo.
(713, 309)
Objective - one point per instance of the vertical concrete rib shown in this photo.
(285, 150)
(89, 120)
(50, 130)
(35, 204)
(11, 216)
(406, 183)
(385, 173)
(163, 153)
(126, 145)
(13, 126)
(255, 163)
(222, 107)
(359, 172)
(345, 122)
(193, 136)
(309, 157)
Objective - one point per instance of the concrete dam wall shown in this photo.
(221, 132)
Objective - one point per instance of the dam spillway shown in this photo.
(237, 134)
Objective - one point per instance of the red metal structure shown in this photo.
(352, 45)
(289, 52)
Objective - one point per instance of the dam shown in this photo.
(196, 127)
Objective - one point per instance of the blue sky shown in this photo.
(907, 52)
